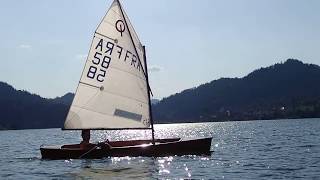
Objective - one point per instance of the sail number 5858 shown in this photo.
(104, 64)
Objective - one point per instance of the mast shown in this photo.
(139, 61)
(145, 72)
(150, 109)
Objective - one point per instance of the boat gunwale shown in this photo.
(57, 147)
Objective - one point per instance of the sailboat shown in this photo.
(114, 94)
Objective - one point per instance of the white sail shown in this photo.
(113, 90)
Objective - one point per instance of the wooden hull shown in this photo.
(164, 147)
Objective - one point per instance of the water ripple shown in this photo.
(286, 149)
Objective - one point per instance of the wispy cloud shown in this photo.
(154, 69)
(25, 46)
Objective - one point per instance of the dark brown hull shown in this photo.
(164, 147)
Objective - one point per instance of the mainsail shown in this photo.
(113, 89)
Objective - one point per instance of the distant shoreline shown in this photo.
(184, 123)
(286, 90)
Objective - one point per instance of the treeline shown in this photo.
(22, 110)
(285, 90)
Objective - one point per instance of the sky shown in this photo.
(43, 43)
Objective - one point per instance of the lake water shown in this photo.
(282, 149)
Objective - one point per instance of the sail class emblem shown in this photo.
(120, 26)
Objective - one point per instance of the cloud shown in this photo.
(25, 46)
(154, 69)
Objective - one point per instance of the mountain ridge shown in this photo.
(20, 109)
(283, 90)
(270, 87)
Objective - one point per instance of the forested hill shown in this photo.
(22, 110)
(286, 90)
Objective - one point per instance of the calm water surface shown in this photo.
(285, 149)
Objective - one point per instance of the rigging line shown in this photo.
(115, 94)
(113, 67)
(104, 36)
(125, 21)
(89, 84)
(95, 147)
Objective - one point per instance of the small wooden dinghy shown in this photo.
(162, 147)
(114, 94)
